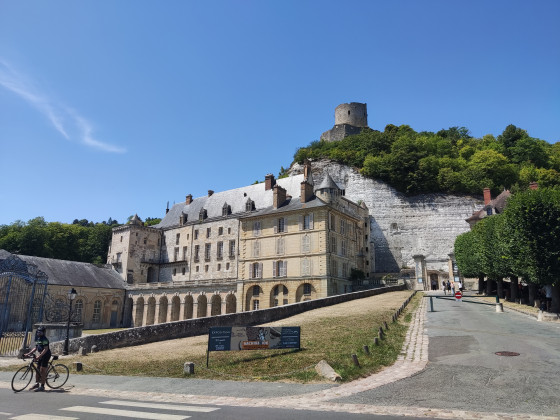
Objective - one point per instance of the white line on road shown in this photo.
(42, 417)
(125, 413)
(176, 407)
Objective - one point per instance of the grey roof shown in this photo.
(73, 273)
(290, 205)
(498, 204)
(327, 182)
(236, 198)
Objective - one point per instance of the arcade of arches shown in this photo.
(151, 309)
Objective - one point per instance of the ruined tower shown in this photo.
(348, 119)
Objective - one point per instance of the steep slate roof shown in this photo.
(498, 205)
(327, 182)
(73, 273)
(289, 205)
(235, 198)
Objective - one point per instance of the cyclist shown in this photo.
(42, 346)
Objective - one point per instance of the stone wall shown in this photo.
(402, 226)
(200, 326)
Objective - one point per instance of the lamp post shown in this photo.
(71, 296)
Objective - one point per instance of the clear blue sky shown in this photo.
(110, 108)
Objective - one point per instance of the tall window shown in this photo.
(220, 251)
(232, 249)
(306, 267)
(220, 231)
(306, 243)
(256, 290)
(208, 232)
(343, 246)
(332, 223)
(306, 222)
(256, 248)
(177, 237)
(280, 225)
(79, 309)
(196, 253)
(306, 289)
(333, 244)
(280, 246)
(256, 305)
(279, 268)
(96, 311)
(334, 268)
(255, 270)
(184, 253)
(207, 249)
(256, 228)
(196, 234)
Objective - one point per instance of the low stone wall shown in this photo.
(200, 326)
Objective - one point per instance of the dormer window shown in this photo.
(489, 211)
(226, 209)
(202, 215)
(249, 205)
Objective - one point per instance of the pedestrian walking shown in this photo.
(443, 286)
(448, 286)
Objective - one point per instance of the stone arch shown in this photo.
(188, 308)
(175, 308)
(216, 305)
(306, 291)
(139, 312)
(151, 314)
(202, 306)
(253, 298)
(162, 315)
(231, 303)
(434, 281)
(278, 295)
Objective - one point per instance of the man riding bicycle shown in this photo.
(42, 346)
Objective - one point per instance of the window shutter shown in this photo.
(285, 268)
(277, 221)
(311, 221)
(310, 267)
(274, 268)
(260, 270)
(250, 271)
(285, 224)
(300, 222)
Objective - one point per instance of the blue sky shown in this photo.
(113, 108)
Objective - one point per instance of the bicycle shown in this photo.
(57, 375)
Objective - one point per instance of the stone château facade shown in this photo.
(263, 245)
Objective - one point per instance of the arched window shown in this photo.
(226, 209)
(79, 308)
(249, 205)
(202, 215)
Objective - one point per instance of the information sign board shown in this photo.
(253, 338)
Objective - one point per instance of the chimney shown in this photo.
(278, 196)
(210, 192)
(487, 196)
(534, 186)
(306, 169)
(269, 182)
(306, 192)
(189, 199)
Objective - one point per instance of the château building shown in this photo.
(254, 247)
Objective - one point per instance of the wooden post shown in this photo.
(355, 359)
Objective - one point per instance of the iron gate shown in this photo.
(22, 295)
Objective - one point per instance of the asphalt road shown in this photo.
(61, 405)
(464, 372)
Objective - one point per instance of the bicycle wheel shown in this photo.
(22, 378)
(57, 375)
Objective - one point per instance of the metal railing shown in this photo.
(12, 342)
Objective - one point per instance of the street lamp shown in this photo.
(71, 296)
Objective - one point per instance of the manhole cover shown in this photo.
(506, 353)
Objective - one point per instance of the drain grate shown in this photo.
(506, 353)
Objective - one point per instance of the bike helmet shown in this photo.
(42, 329)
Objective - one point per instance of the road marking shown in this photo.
(42, 417)
(176, 407)
(124, 413)
(5, 414)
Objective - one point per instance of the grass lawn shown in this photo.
(332, 334)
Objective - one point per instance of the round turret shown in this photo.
(353, 113)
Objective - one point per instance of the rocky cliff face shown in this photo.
(401, 226)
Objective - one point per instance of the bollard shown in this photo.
(355, 359)
(385, 325)
(431, 304)
(381, 333)
(376, 341)
(499, 307)
(366, 349)
(78, 366)
(497, 299)
(188, 368)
